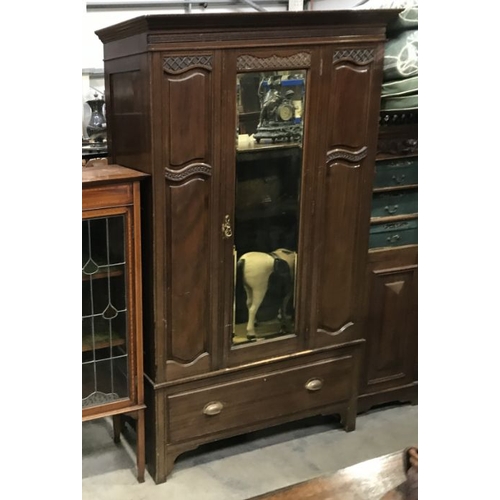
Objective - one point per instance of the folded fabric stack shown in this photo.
(400, 87)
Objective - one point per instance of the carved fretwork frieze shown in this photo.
(346, 154)
(190, 170)
(359, 56)
(295, 61)
(179, 64)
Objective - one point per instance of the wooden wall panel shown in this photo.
(128, 113)
(342, 183)
(349, 80)
(189, 277)
(189, 146)
(390, 321)
(343, 194)
(188, 117)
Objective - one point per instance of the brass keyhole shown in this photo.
(227, 231)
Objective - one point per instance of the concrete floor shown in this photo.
(245, 466)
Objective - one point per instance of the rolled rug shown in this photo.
(407, 19)
(401, 56)
(404, 86)
(399, 103)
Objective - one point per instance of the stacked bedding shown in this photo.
(400, 87)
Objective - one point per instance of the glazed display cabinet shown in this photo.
(112, 367)
(259, 132)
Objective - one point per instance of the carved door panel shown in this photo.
(190, 141)
(352, 79)
(391, 326)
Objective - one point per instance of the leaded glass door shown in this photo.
(106, 343)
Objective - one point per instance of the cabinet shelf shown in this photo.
(101, 341)
(394, 156)
(273, 210)
(101, 274)
(248, 149)
(393, 218)
(395, 188)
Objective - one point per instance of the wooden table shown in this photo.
(368, 480)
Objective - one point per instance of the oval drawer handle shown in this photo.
(393, 239)
(213, 408)
(398, 180)
(315, 384)
(391, 210)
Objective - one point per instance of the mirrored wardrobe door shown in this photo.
(264, 220)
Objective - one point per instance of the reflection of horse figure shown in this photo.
(256, 268)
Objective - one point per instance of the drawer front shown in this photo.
(394, 234)
(387, 204)
(390, 173)
(257, 399)
(115, 195)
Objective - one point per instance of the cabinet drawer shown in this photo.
(394, 234)
(387, 204)
(257, 399)
(402, 172)
(116, 195)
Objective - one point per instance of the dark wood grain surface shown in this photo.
(369, 480)
(103, 173)
(277, 21)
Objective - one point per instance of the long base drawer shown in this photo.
(213, 409)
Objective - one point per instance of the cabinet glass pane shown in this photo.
(270, 108)
(104, 311)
